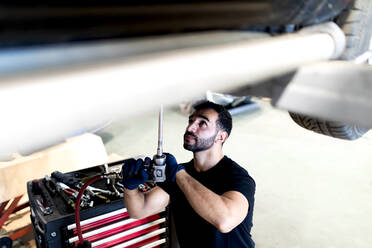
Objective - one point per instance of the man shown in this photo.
(211, 197)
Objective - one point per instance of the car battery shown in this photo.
(104, 220)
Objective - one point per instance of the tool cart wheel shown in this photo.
(5, 242)
(356, 22)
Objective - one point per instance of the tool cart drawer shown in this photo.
(104, 219)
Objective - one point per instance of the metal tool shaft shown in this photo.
(160, 132)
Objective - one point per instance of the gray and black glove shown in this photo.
(172, 167)
(134, 173)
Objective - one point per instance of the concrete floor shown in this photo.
(312, 190)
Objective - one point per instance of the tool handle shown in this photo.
(66, 179)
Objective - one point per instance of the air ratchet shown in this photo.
(157, 171)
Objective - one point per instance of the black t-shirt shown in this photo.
(192, 230)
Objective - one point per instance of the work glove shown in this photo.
(172, 167)
(134, 173)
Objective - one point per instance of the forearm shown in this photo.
(135, 203)
(141, 205)
(210, 206)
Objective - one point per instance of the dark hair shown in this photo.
(224, 121)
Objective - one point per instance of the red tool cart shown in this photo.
(104, 219)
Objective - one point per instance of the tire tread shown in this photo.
(329, 128)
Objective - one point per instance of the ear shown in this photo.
(221, 137)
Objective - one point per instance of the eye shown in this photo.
(203, 123)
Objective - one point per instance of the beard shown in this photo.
(199, 144)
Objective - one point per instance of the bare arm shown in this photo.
(224, 211)
(141, 205)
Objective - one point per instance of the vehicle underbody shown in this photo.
(140, 49)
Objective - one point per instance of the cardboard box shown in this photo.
(76, 153)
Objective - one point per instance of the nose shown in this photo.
(191, 127)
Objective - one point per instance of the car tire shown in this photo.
(330, 128)
(356, 22)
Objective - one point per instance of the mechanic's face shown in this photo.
(201, 131)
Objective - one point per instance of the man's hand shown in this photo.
(134, 173)
(172, 167)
